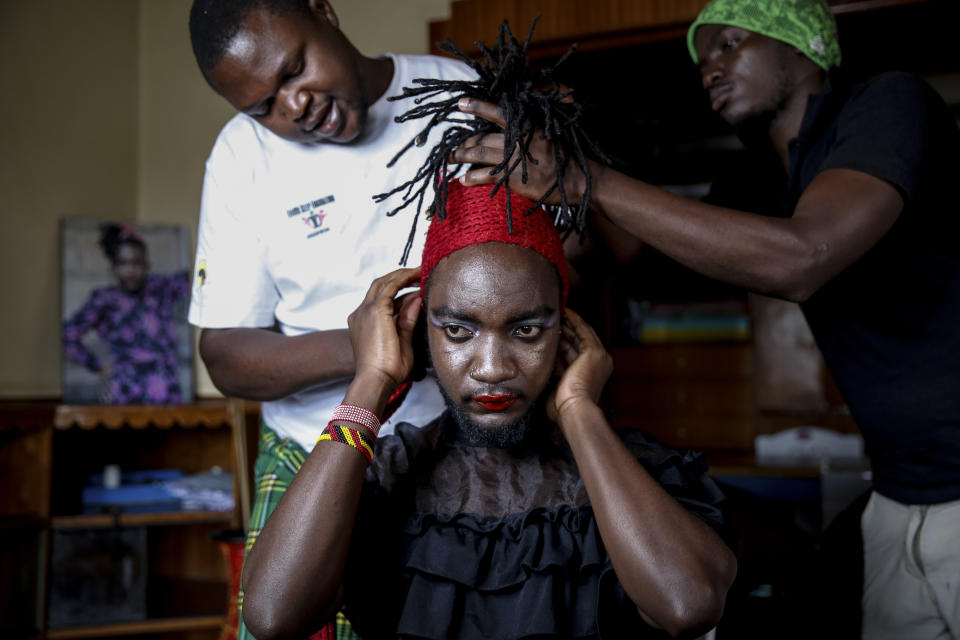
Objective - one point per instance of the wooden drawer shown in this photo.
(696, 396)
(683, 360)
(687, 432)
(692, 397)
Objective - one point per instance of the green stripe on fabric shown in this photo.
(278, 461)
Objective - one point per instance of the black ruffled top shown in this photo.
(454, 541)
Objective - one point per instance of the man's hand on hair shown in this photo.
(486, 151)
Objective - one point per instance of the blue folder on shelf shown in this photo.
(139, 492)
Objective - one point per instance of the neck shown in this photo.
(377, 73)
(786, 125)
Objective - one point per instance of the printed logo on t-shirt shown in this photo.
(311, 215)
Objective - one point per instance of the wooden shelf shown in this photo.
(598, 25)
(28, 633)
(840, 7)
(47, 449)
(10, 523)
(209, 414)
(22, 416)
(105, 520)
(136, 628)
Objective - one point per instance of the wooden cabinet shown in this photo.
(645, 106)
(686, 395)
(47, 451)
(615, 24)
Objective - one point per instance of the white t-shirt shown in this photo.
(289, 234)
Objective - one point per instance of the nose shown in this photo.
(492, 363)
(293, 102)
(710, 73)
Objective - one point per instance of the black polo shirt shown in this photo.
(889, 325)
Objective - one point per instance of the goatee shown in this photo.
(507, 436)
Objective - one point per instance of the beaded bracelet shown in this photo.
(359, 439)
(357, 415)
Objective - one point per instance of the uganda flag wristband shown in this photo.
(359, 439)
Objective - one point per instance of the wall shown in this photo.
(67, 148)
(179, 119)
(106, 115)
(378, 26)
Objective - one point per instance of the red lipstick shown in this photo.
(500, 402)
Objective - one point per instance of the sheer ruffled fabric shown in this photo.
(527, 562)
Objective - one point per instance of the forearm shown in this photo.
(673, 566)
(293, 574)
(775, 256)
(81, 355)
(260, 364)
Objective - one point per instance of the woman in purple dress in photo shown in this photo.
(136, 318)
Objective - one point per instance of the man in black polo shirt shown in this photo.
(863, 231)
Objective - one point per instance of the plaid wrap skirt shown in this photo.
(278, 461)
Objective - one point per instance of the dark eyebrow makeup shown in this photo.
(547, 316)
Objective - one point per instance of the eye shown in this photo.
(290, 74)
(528, 331)
(457, 332)
(729, 44)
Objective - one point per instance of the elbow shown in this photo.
(699, 603)
(210, 353)
(260, 612)
(798, 288)
(696, 613)
(261, 627)
(263, 621)
(215, 352)
(799, 276)
(266, 620)
(272, 612)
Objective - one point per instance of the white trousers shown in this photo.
(911, 582)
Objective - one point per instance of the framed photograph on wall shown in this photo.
(124, 294)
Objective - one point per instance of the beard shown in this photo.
(507, 436)
(360, 104)
(755, 124)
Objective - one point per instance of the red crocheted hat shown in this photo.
(474, 217)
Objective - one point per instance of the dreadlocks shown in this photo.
(530, 101)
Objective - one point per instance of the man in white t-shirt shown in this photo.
(289, 236)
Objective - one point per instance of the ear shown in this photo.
(322, 9)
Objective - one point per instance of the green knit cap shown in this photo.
(808, 25)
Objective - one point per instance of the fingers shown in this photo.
(399, 301)
(566, 354)
(479, 154)
(584, 334)
(478, 177)
(590, 348)
(493, 140)
(407, 309)
(485, 110)
(389, 285)
(579, 340)
(569, 343)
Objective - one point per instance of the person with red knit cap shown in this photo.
(517, 513)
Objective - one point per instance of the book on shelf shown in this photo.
(716, 321)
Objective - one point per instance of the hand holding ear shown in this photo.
(586, 367)
(381, 328)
